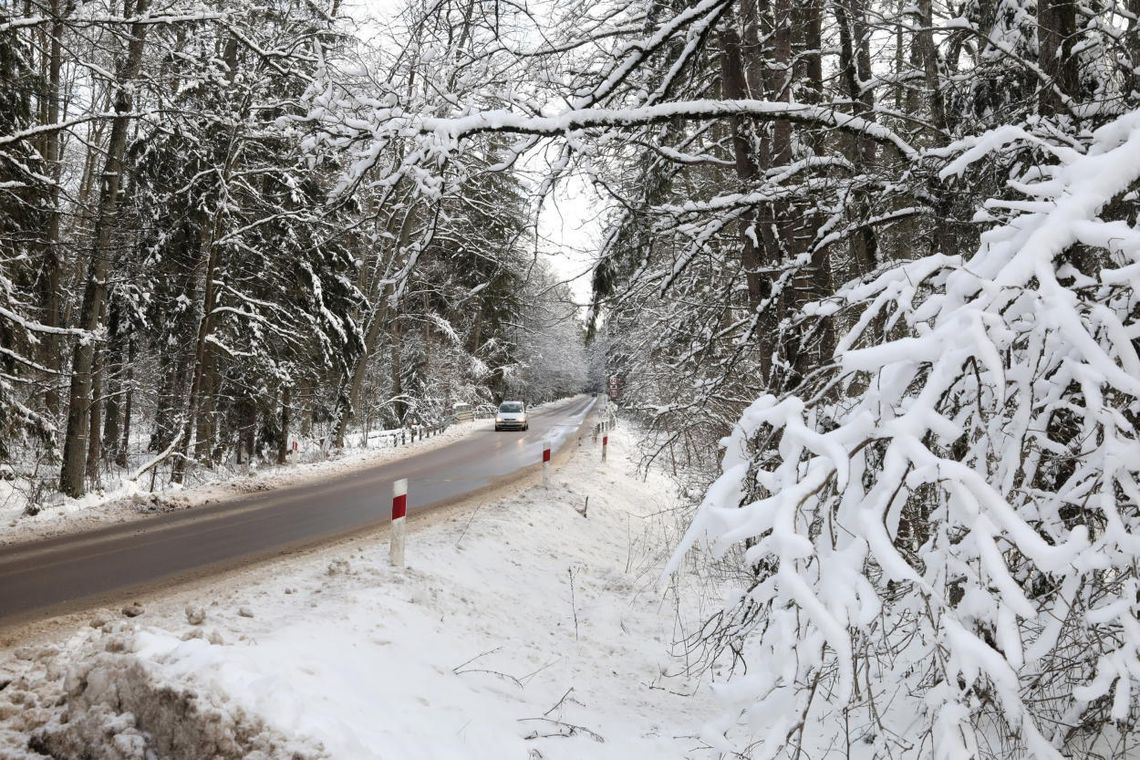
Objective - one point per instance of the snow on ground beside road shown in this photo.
(520, 629)
(127, 500)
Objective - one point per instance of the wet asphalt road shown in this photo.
(40, 578)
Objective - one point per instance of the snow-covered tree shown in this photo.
(550, 353)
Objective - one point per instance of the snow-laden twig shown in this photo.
(158, 459)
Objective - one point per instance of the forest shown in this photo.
(182, 276)
(867, 277)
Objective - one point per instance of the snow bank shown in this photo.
(96, 698)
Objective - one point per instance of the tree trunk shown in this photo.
(808, 26)
(211, 231)
(308, 394)
(95, 290)
(399, 408)
(734, 87)
(283, 434)
(175, 365)
(779, 78)
(177, 355)
(1132, 71)
(475, 337)
(129, 385)
(1056, 35)
(201, 356)
(350, 405)
(113, 368)
(95, 439)
(855, 68)
(205, 430)
(249, 428)
(928, 55)
(51, 353)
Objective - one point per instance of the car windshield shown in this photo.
(511, 407)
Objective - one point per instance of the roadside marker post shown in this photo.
(399, 520)
(605, 445)
(546, 465)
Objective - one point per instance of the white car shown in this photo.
(511, 416)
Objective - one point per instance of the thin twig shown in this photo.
(571, 730)
(559, 702)
(573, 604)
(473, 659)
(470, 520)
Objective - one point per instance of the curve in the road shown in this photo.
(39, 577)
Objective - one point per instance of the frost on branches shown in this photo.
(942, 531)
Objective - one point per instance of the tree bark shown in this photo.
(733, 86)
(205, 425)
(1056, 35)
(129, 386)
(399, 408)
(113, 368)
(201, 352)
(95, 290)
(928, 55)
(283, 434)
(307, 390)
(95, 439)
(855, 68)
(249, 427)
(1132, 73)
(52, 354)
(736, 85)
(351, 403)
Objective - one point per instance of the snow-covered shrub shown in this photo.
(942, 531)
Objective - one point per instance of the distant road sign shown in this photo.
(615, 387)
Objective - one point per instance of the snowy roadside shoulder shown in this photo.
(528, 627)
(129, 500)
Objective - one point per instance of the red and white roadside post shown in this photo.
(399, 520)
(546, 465)
(605, 445)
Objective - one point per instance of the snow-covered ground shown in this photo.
(519, 629)
(126, 499)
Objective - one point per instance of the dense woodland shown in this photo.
(178, 268)
(868, 276)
